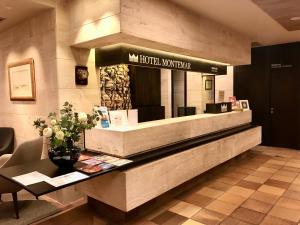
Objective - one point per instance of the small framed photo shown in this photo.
(232, 99)
(22, 80)
(244, 104)
(208, 84)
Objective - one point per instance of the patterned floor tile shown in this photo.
(219, 186)
(210, 192)
(265, 197)
(282, 178)
(277, 183)
(233, 221)
(288, 203)
(185, 209)
(284, 213)
(258, 206)
(192, 222)
(292, 194)
(208, 217)
(196, 199)
(248, 215)
(232, 198)
(248, 184)
(255, 179)
(244, 192)
(169, 218)
(272, 220)
(221, 207)
(271, 190)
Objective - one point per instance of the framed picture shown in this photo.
(81, 75)
(244, 104)
(22, 80)
(208, 84)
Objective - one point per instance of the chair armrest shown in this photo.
(4, 158)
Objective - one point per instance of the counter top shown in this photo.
(162, 122)
(130, 140)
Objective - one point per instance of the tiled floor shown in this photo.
(263, 188)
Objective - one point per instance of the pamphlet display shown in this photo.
(89, 163)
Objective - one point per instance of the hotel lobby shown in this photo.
(149, 112)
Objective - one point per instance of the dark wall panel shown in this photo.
(271, 83)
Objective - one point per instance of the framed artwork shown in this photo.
(81, 75)
(208, 84)
(244, 104)
(22, 80)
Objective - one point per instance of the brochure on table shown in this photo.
(89, 163)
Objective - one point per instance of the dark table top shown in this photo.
(46, 167)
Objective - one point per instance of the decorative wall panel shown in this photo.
(115, 91)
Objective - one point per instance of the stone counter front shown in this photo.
(130, 140)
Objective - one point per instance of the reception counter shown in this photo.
(130, 140)
(130, 188)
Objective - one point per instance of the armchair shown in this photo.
(29, 151)
(6, 140)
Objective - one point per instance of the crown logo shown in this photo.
(223, 107)
(133, 58)
(214, 69)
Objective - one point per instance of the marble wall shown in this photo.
(33, 38)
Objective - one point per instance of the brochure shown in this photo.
(66, 179)
(31, 178)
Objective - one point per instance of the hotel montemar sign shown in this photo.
(153, 58)
(159, 62)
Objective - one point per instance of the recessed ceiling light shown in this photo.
(295, 18)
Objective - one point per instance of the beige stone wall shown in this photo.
(194, 91)
(166, 92)
(155, 24)
(83, 97)
(175, 29)
(93, 19)
(33, 38)
(225, 83)
(207, 95)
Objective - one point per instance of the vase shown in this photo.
(64, 157)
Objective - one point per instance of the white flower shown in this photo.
(53, 122)
(60, 135)
(47, 132)
(82, 117)
(56, 128)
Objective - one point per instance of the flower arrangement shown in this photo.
(66, 130)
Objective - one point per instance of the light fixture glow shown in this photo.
(295, 18)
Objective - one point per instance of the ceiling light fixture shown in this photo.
(295, 18)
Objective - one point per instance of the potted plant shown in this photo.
(64, 132)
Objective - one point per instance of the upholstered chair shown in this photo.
(6, 140)
(26, 152)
